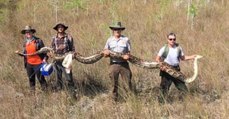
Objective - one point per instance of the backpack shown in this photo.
(166, 51)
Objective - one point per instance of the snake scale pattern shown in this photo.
(132, 59)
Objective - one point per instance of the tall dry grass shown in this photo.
(147, 23)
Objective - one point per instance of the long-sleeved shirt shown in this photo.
(63, 45)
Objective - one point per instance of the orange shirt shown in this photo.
(31, 48)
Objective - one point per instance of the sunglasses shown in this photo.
(28, 32)
(174, 39)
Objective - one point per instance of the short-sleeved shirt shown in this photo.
(121, 45)
(173, 55)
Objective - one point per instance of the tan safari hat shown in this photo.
(117, 25)
(28, 28)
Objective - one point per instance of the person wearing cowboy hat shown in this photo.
(34, 62)
(62, 43)
(119, 43)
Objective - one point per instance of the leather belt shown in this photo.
(120, 63)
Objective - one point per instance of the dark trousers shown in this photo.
(123, 69)
(33, 71)
(69, 78)
(166, 81)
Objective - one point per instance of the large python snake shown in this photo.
(132, 59)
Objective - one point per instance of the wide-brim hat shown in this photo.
(117, 25)
(60, 24)
(28, 28)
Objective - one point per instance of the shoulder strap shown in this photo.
(179, 51)
(70, 41)
(38, 43)
(24, 43)
(166, 51)
(54, 41)
(67, 41)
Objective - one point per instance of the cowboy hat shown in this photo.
(117, 25)
(60, 24)
(28, 28)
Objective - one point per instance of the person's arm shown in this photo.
(53, 45)
(127, 55)
(184, 58)
(22, 52)
(41, 44)
(72, 46)
(158, 58)
(106, 51)
(43, 55)
(159, 55)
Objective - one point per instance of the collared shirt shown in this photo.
(173, 55)
(121, 45)
(63, 45)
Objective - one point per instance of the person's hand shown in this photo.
(125, 57)
(17, 52)
(48, 54)
(44, 61)
(162, 68)
(191, 57)
(61, 47)
(106, 53)
(194, 56)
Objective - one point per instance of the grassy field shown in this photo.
(202, 27)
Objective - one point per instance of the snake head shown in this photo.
(198, 56)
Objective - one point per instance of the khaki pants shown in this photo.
(125, 83)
